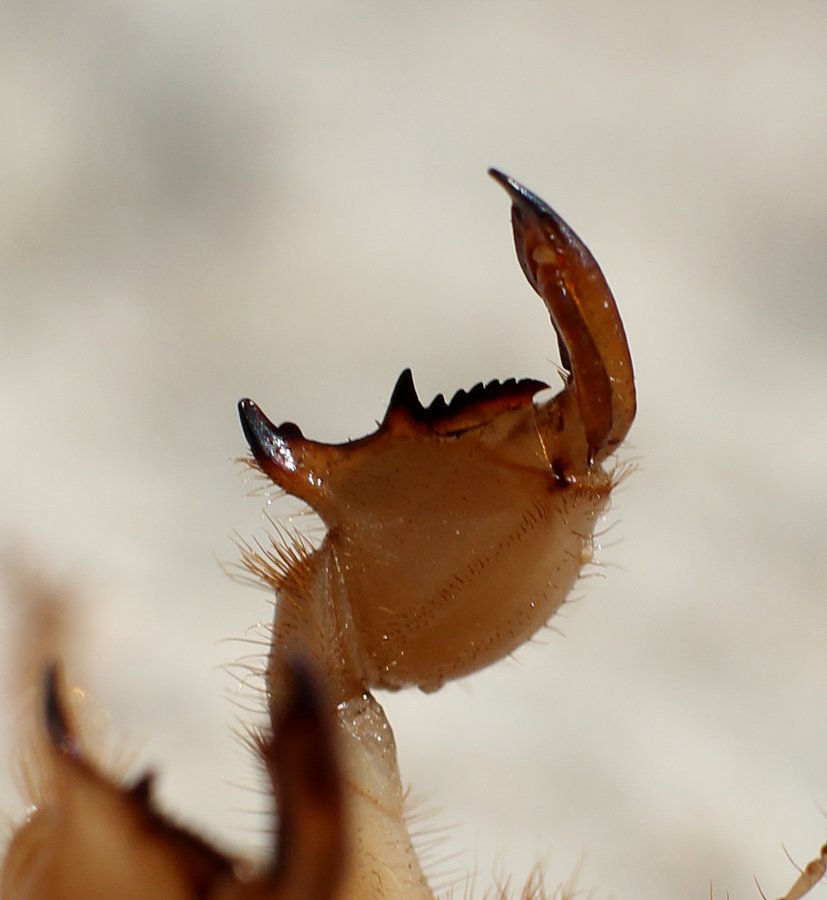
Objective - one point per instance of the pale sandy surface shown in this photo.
(203, 201)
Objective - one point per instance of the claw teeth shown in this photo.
(404, 397)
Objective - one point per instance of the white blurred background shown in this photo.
(288, 201)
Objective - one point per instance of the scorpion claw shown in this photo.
(593, 346)
(457, 528)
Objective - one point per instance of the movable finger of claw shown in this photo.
(559, 266)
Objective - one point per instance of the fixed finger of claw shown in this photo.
(295, 464)
(559, 266)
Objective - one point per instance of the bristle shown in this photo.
(282, 562)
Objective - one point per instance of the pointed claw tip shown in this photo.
(522, 197)
(498, 176)
(509, 183)
(247, 411)
(253, 424)
(511, 186)
(273, 446)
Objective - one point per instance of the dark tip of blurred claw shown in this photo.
(58, 726)
(305, 703)
(141, 790)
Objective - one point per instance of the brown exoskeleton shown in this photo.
(453, 533)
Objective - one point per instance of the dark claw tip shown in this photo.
(252, 424)
(513, 188)
(521, 195)
(258, 430)
(266, 440)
